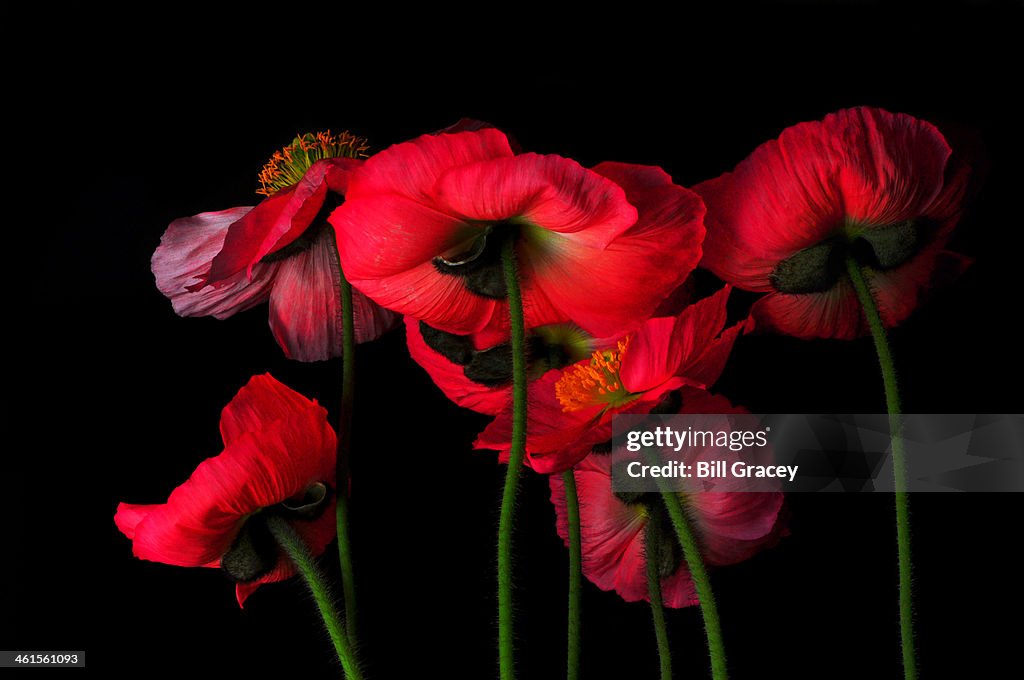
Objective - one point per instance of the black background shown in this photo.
(114, 398)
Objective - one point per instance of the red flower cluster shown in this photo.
(601, 255)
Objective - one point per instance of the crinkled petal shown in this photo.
(633, 273)
(182, 261)
(410, 169)
(305, 305)
(611, 532)
(262, 401)
(288, 213)
(280, 219)
(550, 192)
(889, 167)
(691, 345)
(861, 166)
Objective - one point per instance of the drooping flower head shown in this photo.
(571, 409)
(423, 225)
(865, 183)
(278, 458)
(282, 250)
(731, 526)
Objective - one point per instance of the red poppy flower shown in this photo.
(219, 263)
(422, 227)
(571, 409)
(862, 182)
(731, 527)
(279, 454)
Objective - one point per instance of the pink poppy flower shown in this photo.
(731, 526)
(282, 250)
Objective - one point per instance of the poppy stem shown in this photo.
(348, 383)
(892, 402)
(306, 565)
(506, 664)
(652, 550)
(691, 553)
(572, 503)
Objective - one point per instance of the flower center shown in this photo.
(596, 382)
(287, 166)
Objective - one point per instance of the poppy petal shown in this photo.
(451, 378)
(410, 169)
(288, 213)
(550, 192)
(611, 531)
(262, 401)
(655, 254)
(182, 261)
(305, 305)
(889, 167)
(689, 345)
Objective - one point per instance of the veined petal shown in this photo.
(305, 305)
(691, 345)
(182, 261)
(549, 192)
(890, 167)
(410, 169)
(631, 275)
(262, 401)
(274, 223)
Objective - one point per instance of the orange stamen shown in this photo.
(596, 382)
(287, 166)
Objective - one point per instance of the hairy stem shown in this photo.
(892, 402)
(652, 549)
(572, 503)
(305, 563)
(506, 663)
(348, 384)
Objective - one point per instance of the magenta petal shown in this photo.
(182, 261)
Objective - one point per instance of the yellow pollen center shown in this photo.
(287, 166)
(594, 383)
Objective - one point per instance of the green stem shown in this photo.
(572, 503)
(306, 565)
(892, 402)
(652, 548)
(691, 553)
(506, 663)
(348, 383)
